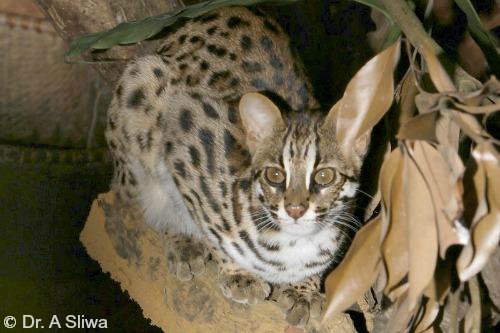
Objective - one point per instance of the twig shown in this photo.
(411, 26)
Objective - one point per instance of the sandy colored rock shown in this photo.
(133, 255)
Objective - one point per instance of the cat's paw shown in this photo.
(243, 288)
(186, 257)
(299, 305)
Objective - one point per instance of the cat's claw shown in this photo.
(243, 288)
(299, 305)
(186, 258)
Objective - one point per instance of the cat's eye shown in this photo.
(324, 176)
(274, 176)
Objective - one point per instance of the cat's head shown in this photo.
(301, 177)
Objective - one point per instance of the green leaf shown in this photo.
(483, 38)
(133, 32)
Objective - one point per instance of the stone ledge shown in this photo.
(132, 253)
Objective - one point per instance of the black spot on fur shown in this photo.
(223, 188)
(251, 67)
(225, 224)
(180, 168)
(208, 18)
(219, 51)
(215, 234)
(207, 140)
(245, 185)
(269, 247)
(234, 22)
(182, 57)
(195, 156)
(183, 66)
(232, 115)
(246, 238)
(211, 30)
(210, 111)
(160, 120)
(158, 72)
(206, 191)
(229, 143)
(135, 98)
(234, 82)
(246, 42)
(232, 56)
(160, 90)
(218, 77)
(278, 79)
(258, 84)
(186, 120)
(266, 43)
(238, 248)
(276, 62)
(195, 39)
(182, 39)
(271, 27)
(204, 65)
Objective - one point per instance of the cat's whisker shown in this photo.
(363, 192)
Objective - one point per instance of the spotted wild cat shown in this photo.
(208, 157)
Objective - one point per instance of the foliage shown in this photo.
(439, 195)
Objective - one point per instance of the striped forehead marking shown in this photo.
(299, 147)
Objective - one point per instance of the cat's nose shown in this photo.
(295, 211)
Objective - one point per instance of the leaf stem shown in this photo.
(411, 26)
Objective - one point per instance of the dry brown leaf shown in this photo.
(485, 229)
(440, 285)
(366, 99)
(439, 77)
(400, 319)
(490, 274)
(442, 184)
(473, 316)
(395, 242)
(405, 97)
(431, 310)
(421, 127)
(357, 271)
(421, 220)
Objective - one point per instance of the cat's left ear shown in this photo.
(260, 117)
(354, 148)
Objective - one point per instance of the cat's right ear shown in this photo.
(259, 116)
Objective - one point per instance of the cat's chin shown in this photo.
(299, 228)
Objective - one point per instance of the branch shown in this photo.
(411, 26)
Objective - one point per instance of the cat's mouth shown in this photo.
(300, 227)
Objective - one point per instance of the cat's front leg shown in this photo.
(300, 301)
(237, 284)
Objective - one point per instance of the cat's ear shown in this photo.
(353, 146)
(259, 116)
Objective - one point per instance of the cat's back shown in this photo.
(197, 77)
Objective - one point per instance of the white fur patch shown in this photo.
(348, 190)
(162, 202)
